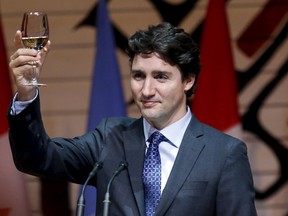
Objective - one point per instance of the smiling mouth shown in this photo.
(149, 104)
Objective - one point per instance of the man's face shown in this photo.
(158, 89)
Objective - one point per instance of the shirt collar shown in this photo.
(174, 132)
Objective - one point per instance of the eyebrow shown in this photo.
(153, 72)
(162, 72)
(133, 72)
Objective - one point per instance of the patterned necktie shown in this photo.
(152, 173)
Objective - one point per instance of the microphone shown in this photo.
(81, 200)
(123, 165)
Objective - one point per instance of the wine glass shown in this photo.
(35, 34)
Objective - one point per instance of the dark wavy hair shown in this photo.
(172, 43)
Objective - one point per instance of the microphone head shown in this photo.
(123, 164)
(100, 164)
(97, 166)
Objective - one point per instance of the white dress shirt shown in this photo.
(168, 150)
(18, 106)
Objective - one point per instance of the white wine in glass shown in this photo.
(35, 35)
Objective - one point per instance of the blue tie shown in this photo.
(152, 173)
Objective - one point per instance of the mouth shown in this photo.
(148, 103)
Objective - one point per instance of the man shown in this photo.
(201, 171)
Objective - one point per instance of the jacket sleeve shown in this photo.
(35, 153)
(235, 195)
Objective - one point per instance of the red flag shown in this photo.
(13, 200)
(215, 100)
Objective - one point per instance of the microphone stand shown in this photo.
(122, 166)
(81, 201)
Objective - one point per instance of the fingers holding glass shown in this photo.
(25, 65)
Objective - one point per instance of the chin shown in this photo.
(150, 116)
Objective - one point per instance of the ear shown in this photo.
(189, 82)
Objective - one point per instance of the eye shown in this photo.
(161, 76)
(138, 75)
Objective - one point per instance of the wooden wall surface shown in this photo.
(68, 72)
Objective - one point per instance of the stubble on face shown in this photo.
(158, 90)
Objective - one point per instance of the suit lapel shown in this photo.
(188, 153)
(134, 146)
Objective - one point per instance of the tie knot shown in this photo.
(157, 138)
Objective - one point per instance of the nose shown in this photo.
(148, 89)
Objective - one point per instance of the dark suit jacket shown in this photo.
(211, 174)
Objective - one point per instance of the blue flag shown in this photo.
(106, 93)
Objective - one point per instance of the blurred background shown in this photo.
(258, 31)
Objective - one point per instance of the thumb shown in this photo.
(18, 40)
